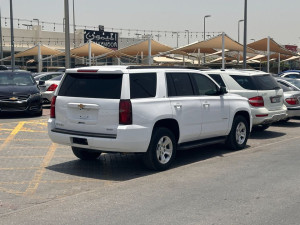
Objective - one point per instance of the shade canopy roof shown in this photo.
(142, 48)
(262, 45)
(209, 45)
(96, 50)
(34, 51)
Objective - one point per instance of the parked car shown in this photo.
(292, 84)
(151, 111)
(4, 67)
(261, 89)
(290, 75)
(47, 76)
(19, 93)
(291, 100)
(48, 88)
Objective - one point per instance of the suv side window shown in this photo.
(179, 84)
(204, 86)
(244, 81)
(142, 85)
(218, 79)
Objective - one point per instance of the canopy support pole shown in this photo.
(142, 57)
(268, 53)
(223, 50)
(149, 50)
(39, 58)
(278, 63)
(198, 56)
(90, 53)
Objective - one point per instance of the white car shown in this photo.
(48, 87)
(148, 110)
(290, 75)
(260, 88)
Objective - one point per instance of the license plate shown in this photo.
(275, 99)
(80, 141)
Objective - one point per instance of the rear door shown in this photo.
(185, 105)
(89, 102)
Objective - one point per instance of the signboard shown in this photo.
(292, 48)
(106, 39)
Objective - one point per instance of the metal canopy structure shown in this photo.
(209, 45)
(90, 48)
(262, 45)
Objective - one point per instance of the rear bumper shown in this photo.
(129, 139)
(293, 111)
(270, 116)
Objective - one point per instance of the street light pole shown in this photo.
(74, 27)
(177, 33)
(238, 60)
(12, 37)
(239, 30)
(204, 34)
(1, 44)
(67, 35)
(245, 37)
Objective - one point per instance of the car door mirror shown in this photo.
(222, 90)
(41, 82)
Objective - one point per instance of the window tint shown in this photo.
(245, 82)
(218, 79)
(293, 75)
(265, 82)
(92, 86)
(204, 86)
(142, 85)
(284, 87)
(179, 84)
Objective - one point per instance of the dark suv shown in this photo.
(19, 93)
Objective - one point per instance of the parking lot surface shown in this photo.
(36, 173)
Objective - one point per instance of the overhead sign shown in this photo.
(106, 39)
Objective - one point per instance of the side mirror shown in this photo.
(41, 82)
(223, 90)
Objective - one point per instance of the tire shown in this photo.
(161, 151)
(38, 113)
(85, 154)
(239, 134)
(261, 127)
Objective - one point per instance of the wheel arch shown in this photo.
(171, 124)
(246, 115)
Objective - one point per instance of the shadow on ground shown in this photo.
(122, 167)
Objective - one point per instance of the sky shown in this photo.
(278, 19)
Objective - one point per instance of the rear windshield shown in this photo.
(258, 82)
(16, 79)
(92, 86)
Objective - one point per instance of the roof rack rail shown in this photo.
(158, 67)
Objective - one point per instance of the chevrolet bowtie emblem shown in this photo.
(80, 106)
(13, 98)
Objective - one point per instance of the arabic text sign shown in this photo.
(106, 39)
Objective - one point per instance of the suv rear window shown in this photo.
(142, 85)
(92, 86)
(258, 82)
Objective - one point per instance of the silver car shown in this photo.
(48, 87)
(291, 95)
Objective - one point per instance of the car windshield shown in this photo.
(16, 79)
(295, 82)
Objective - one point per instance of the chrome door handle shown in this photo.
(206, 105)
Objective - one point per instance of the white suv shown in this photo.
(260, 88)
(148, 110)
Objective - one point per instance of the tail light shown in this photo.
(52, 87)
(257, 101)
(52, 107)
(292, 101)
(125, 112)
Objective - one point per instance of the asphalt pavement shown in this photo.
(43, 183)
